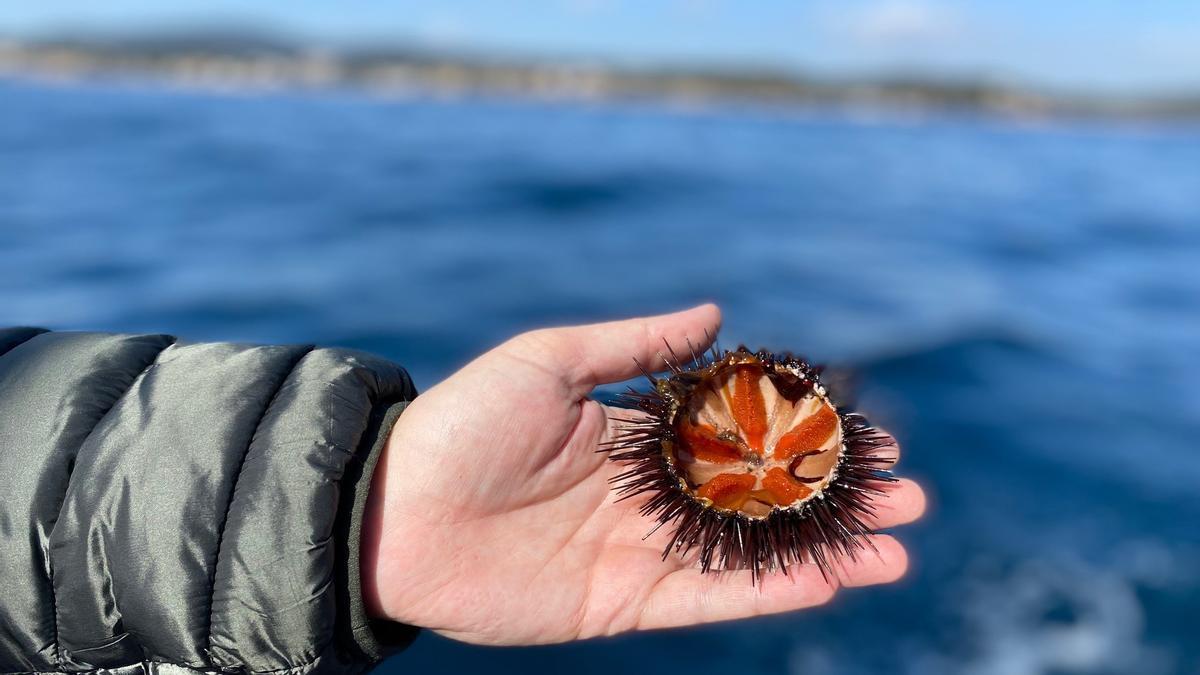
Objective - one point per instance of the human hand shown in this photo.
(491, 519)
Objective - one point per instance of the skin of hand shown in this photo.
(491, 519)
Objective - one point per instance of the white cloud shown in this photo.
(443, 28)
(899, 22)
(1166, 44)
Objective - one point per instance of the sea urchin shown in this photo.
(751, 461)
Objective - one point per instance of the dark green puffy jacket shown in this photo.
(173, 508)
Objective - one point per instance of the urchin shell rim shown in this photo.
(819, 530)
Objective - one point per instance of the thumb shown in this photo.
(602, 353)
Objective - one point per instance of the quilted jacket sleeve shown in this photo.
(170, 507)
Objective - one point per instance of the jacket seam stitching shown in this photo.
(212, 586)
(67, 489)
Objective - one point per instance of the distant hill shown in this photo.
(256, 60)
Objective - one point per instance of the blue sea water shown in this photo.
(1022, 302)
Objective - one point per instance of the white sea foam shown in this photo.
(1042, 616)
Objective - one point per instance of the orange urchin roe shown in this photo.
(810, 434)
(728, 490)
(749, 410)
(744, 445)
(786, 489)
(702, 442)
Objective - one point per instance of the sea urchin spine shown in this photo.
(747, 457)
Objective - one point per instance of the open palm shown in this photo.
(491, 518)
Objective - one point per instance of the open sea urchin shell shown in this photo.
(751, 461)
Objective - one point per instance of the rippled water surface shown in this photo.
(1023, 302)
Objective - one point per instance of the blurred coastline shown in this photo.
(257, 61)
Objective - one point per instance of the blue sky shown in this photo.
(1076, 44)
